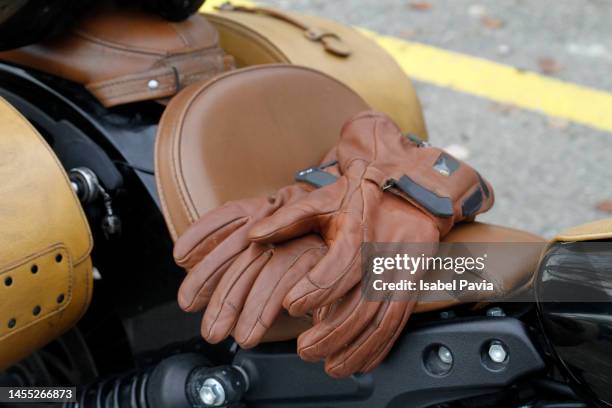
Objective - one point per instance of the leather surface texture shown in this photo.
(45, 242)
(124, 56)
(264, 36)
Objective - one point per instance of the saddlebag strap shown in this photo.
(331, 41)
(161, 82)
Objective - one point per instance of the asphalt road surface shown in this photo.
(548, 173)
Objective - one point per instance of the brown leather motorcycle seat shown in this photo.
(248, 131)
(244, 134)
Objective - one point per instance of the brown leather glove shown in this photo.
(354, 334)
(436, 191)
(225, 267)
(243, 283)
(209, 246)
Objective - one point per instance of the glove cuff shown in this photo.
(448, 190)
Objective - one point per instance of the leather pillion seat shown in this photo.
(246, 133)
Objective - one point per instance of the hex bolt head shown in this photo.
(212, 393)
(445, 355)
(497, 352)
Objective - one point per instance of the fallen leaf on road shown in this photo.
(476, 10)
(604, 206)
(420, 5)
(409, 33)
(558, 123)
(503, 108)
(503, 49)
(549, 65)
(492, 22)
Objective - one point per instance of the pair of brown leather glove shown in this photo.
(300, 249)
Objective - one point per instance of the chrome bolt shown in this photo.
(445, 355)
(85, 184)
(212, 393)
(497, 352)
(496, 312)
(153, 84)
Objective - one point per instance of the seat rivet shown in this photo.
(153, 84)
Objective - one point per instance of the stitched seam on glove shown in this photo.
(236, 279)
(200, 294)
(209, 236)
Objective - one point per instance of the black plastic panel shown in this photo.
(280, 378)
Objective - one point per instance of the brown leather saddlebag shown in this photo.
(260, 35)
(45, 242)
(124, 56)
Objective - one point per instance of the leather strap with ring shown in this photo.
(331, 41)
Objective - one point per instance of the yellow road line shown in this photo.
(495, 81)
(501, 83)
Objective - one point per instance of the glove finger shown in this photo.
(345, 321)
(337, 273)
(199, 284)
(215, 226)
(379, 356)
(207, 233)
(403, 308)
(389, 321)
(228, 298)
(290, 262)
(299, 217)
(398, 310)
(321, 313)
